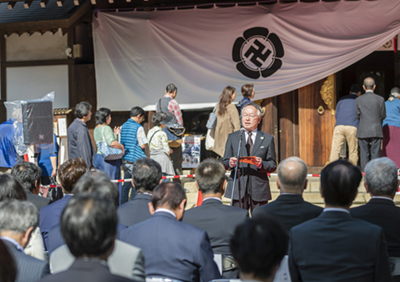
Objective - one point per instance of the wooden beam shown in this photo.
(35, 63)
(11, 5)
(60, 3)
(27, 4)
(76, 2)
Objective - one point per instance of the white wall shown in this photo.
(36, 47)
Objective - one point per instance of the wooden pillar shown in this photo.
(3, 79)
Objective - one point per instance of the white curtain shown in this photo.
(282, 47)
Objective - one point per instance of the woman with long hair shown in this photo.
(104, 132)
(227, 119)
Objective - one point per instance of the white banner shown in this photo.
(279, 48)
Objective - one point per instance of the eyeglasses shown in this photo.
(251, 116)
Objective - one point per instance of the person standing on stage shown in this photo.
(253, 178)
(134, 140)
(174, 115)
(79, 142)
(370, 110)
(346, 126)
(391, 127)
(227, 119)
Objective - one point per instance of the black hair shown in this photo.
(169, 193)
(146, 174)
(89, 225)
(136, 111)
(247, 90)
(355, 88)
(27, 174)
(258, 245)
(82, 109)
(339, 183)
(10, 188)
(157, 118)
(102, 115)
(69, 173)
(210, 174)
(171, 88)
(97, 183)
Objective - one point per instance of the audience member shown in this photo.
(227, 119)
(290, 208)
(133, 138)
(346, 126)
(172, 249)
(218, 220)
(146, 175)
(10, 188)
(168, 105)
(79, 142)
(28, 174)
(391, 127)
(335, 246)
(158, 144)
(370, 110)
(258, 246)
(89, 226)
(17, 221)
(8, 154)
(248, 93)
(48, 161)
(103, 132)
(8, 268)
(382, 184)
(68, 174)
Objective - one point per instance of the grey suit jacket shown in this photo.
(38, 201)
(29, 269)
(125, 260)
(370, 110)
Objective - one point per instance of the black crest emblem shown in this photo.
(258, 53)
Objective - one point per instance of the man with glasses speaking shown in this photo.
(252, 185)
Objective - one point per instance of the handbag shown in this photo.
(174, 130)
(108, 153)
(210, 140)
(212, 119)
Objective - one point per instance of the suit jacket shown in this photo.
(55, 238)
(371, 111)
(50, 216)
(125, 260)
(29, 269)
(290, 210)
(135, 210)
(264, 148)
(85, 271)
(336, 247)
(38, 201)
(219, 228)
(385, 214)
(173, 249)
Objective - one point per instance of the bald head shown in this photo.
(369, 83)
(292, 175)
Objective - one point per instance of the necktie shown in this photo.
(249, 144)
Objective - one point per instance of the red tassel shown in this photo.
(199, 198)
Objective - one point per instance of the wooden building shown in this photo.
(47, 45)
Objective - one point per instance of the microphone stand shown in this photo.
(237, 171)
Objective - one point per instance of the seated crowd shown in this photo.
(88, 236)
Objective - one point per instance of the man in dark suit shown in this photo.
(171, 248)
(17, 221)
(68, 173)
(335, 246)
(253, 179)
(218, 220)
(146, 175)
(371, 111)
(290, 208)
(28, 174)
(258, 246)
(88, 225)
(382, 184)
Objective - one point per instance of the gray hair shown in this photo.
(292, 173)
(395, 92)
(369, 83)
(18, 216)
(258, 108)
(381, 177)
(82, 109)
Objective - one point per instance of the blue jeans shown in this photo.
(111, 168)
(127, 185)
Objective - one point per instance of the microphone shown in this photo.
(242, 130)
